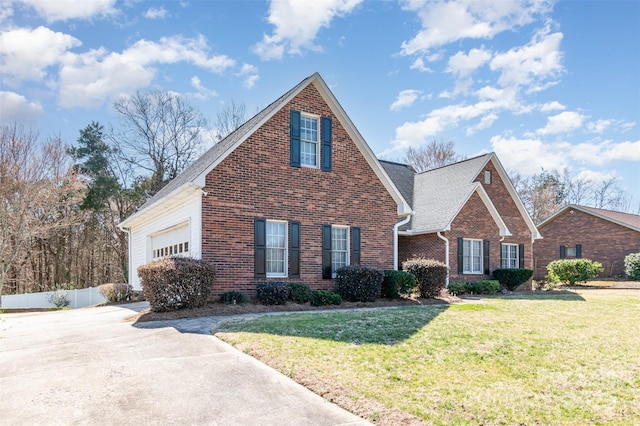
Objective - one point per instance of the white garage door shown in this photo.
(172, 241)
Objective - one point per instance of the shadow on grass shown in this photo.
(559, 295)
(378, 326)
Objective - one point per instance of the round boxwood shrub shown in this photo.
(431, 275)
(512, 278)
(571, 271)
(397, 283)
(324, 297)
(457, 288)
(273, 293)
(356, 283)
(300, 292)
(233, 298)
(173, 283)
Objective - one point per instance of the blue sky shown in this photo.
(541, 83)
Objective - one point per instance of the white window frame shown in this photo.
(487, 177)
(570, 251)
(284, 249)
(510, 256)
(346, 251)
(471, 256)
(304, 141)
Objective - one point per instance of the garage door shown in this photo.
(172, 241)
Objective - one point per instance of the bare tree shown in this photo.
(431, 156)
(39, 191)
(229, 118)
(161, 133)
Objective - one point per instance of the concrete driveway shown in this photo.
(88, 366)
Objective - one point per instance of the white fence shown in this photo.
(77, 299)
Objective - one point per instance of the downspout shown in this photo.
(395, 239)
(446, 254)
(127, 230)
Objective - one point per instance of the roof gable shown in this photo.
(628, 220)
(194, 176)
(439, 195)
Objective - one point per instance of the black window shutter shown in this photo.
(501, 256)
(485, 254)
(460, 255)
(326, 144)
(294, 125)
(578, 251)
(355, 245)
(326, 252)
(260, 248)
(563, 252)
(521, 256)
(294, 249)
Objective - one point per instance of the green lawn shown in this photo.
(535, 359)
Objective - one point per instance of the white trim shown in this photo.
(348, 249)
(585, 209)
(317, 142)
(472, 272)
(502, 258)
(285, 273)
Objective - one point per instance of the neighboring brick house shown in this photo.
(467, 215)
(574, 231)
(291, 195)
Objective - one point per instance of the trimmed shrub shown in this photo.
(397, 283)
(356, 283)
(58, 298)
(431, 275)
(324, 297)
(233, 298)
(300, 292)
(116, 292)
(483, 287)
(273, 293)
(178, 282)
(632, 266)
(457, 288)
(571, 271)
(512, 278)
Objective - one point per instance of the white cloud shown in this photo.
(62, 10)
(17, 109)
(250, 74)
(297, 24)
(485, 122)
(444, 22)
(465, 64)
(531, 65)
(202, 91)
(419, 65)
(156, 13)
(90, 79)
(565, 122)
(25, 54)
(529, 156)
(405, 99)
(599, 126)
(552, 106)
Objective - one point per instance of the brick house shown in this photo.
(291, 195)
(574, 231)
(467, 215)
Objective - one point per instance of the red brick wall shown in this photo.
(474, 221)
(256, 180)
(601, 241)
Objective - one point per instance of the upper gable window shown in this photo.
(487, 177)
(309, 143)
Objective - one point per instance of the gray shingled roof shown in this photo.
(439, 194)
(402, 177)
(208, 158)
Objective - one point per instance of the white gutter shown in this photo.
(395, 239)
(446, 255)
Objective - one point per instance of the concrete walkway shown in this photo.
(89, 367)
